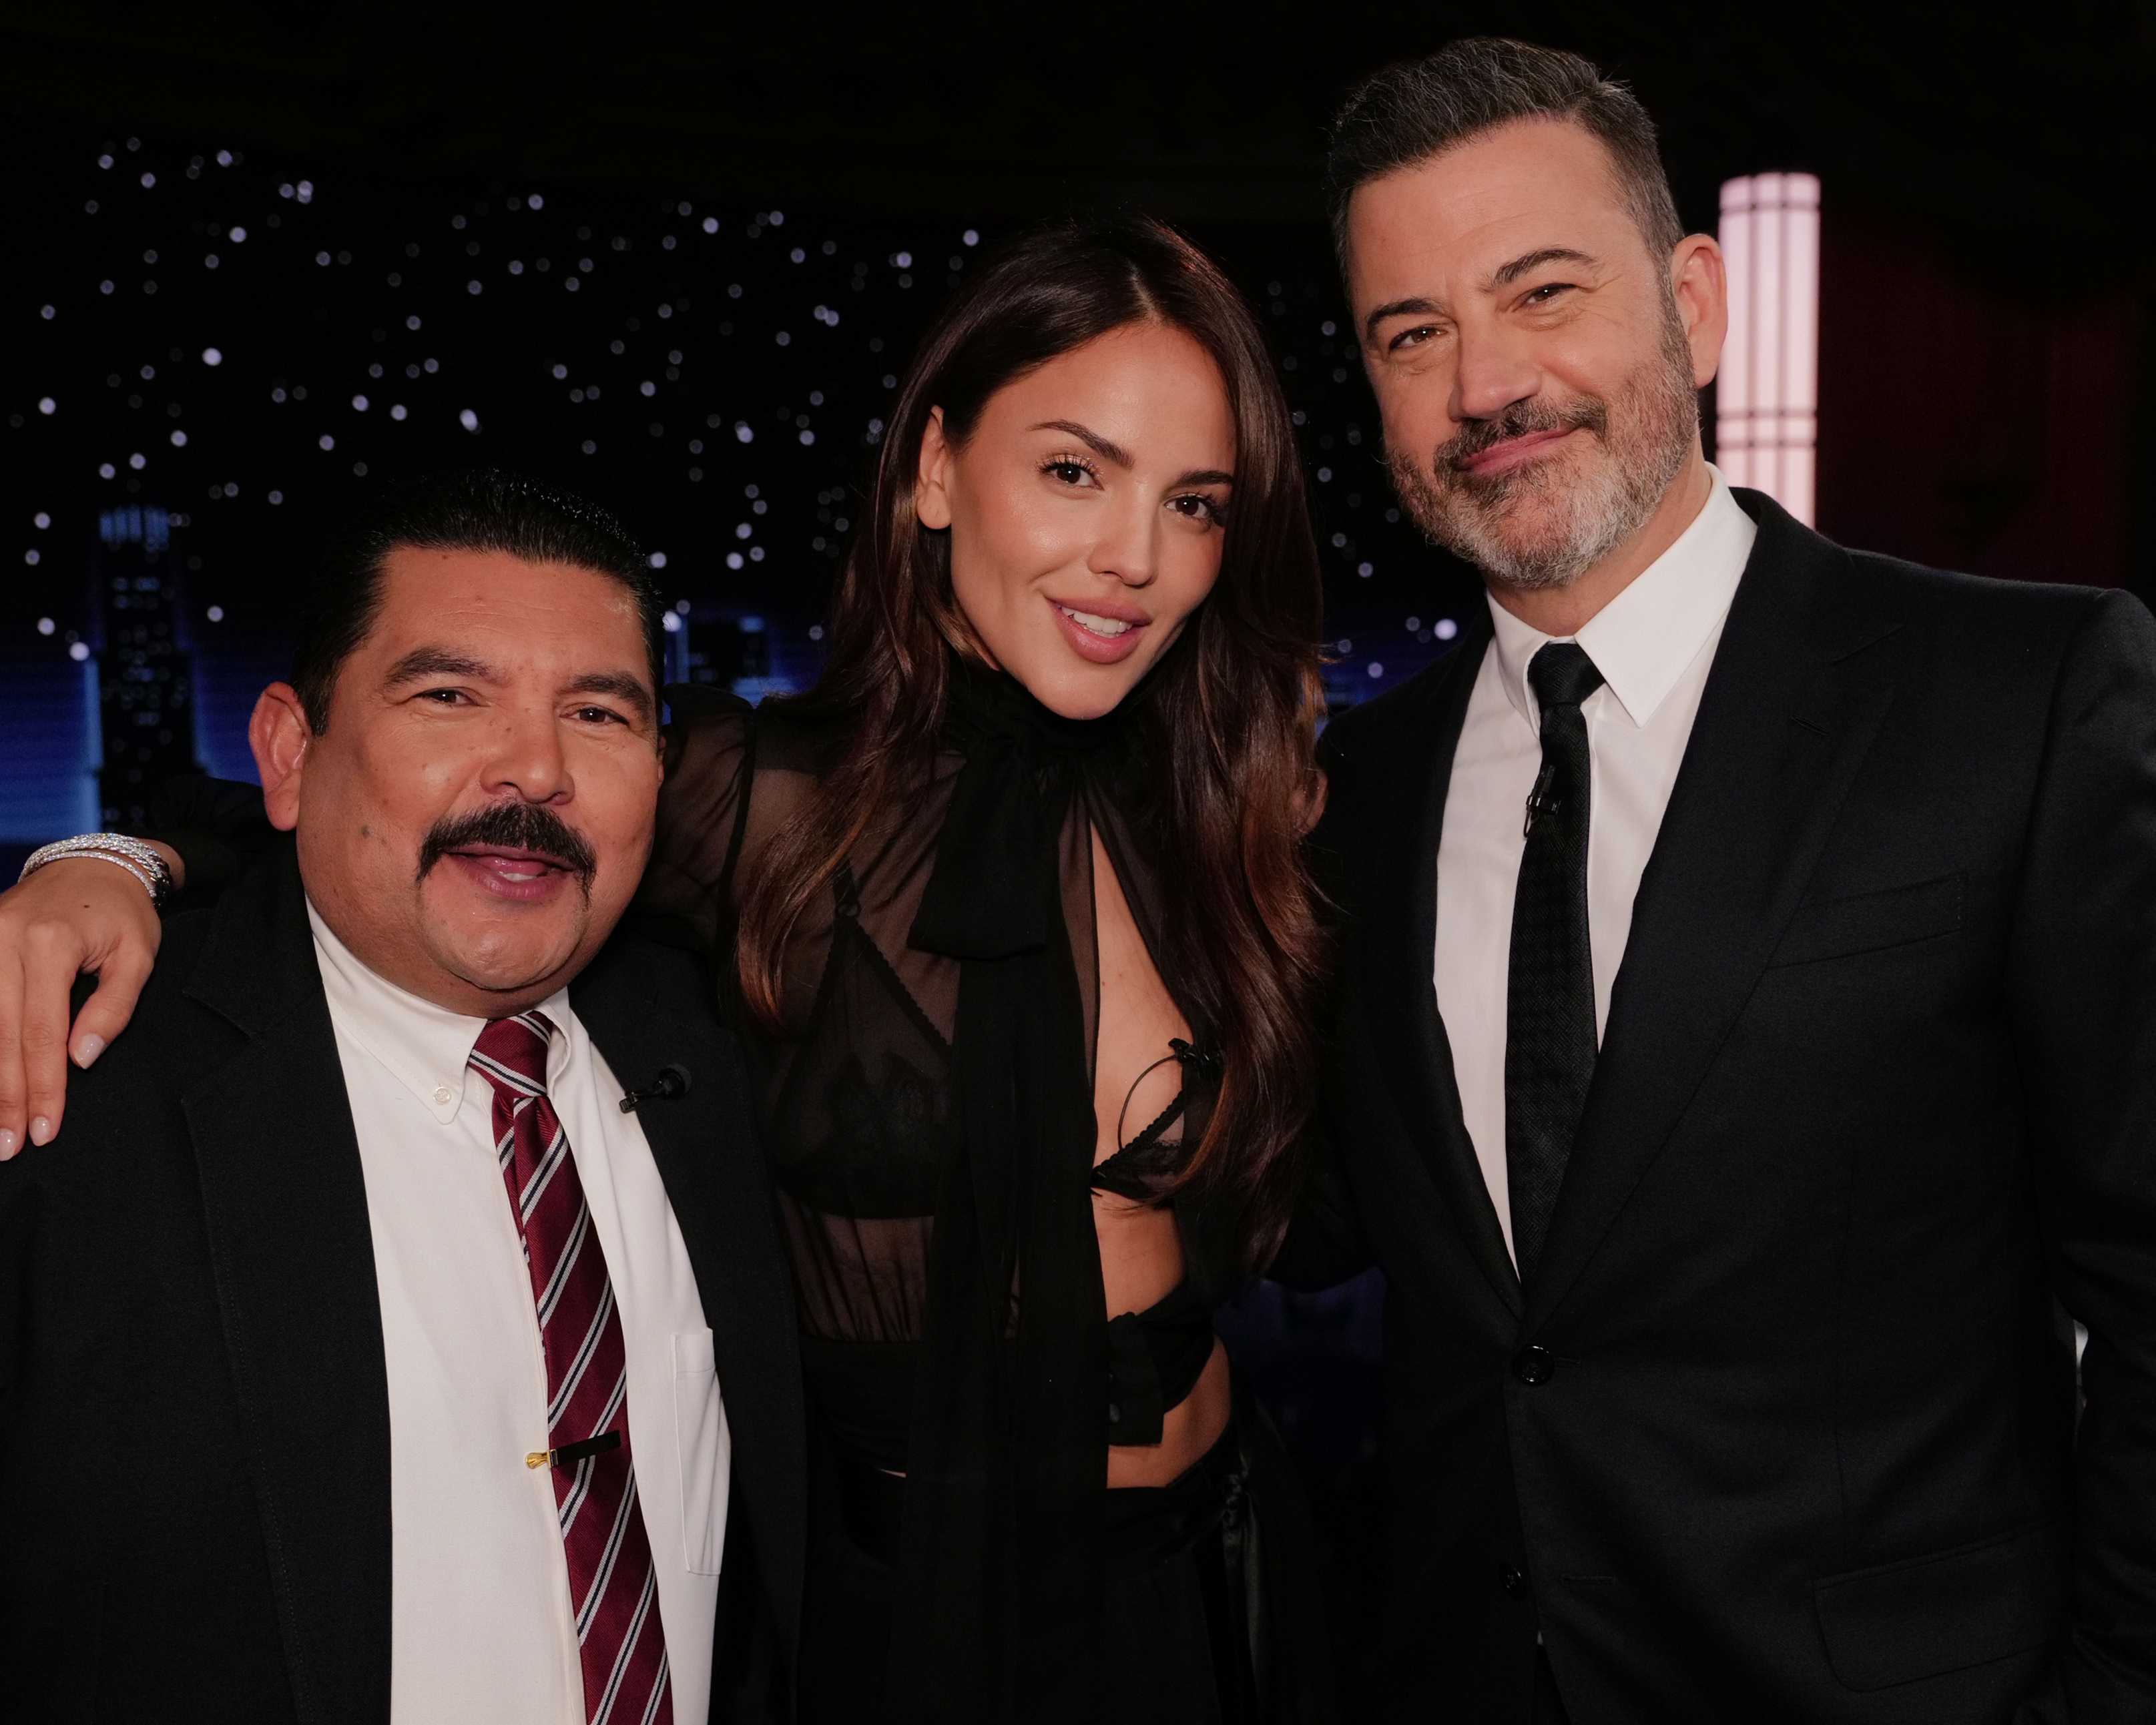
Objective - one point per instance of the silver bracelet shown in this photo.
(131, 854)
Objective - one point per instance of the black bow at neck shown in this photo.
(1001, 1565)
(993, 888)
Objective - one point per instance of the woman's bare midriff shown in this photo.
(1141, 1263)
(1191, 1429)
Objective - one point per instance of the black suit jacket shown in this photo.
(194, 1409)
(1786, 1428)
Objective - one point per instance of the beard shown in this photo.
(1544, 524)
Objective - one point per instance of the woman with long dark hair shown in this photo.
(1011, 913)
(1012, 909)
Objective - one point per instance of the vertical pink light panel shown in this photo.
(1766, 426)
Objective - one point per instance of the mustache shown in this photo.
(1518, 419)
(513, 826)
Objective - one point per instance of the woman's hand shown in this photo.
(75, 915)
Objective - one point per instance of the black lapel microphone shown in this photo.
(671, 1085)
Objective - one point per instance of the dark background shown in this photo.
(1987, 301)
(1985, 308)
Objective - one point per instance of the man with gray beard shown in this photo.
(1744, 1059)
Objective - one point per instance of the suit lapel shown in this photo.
(647, 1007)
(293, 1254)
(1790, 708)
(1396, 951)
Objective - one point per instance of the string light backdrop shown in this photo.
(249, 343)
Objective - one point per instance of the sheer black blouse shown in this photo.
(930, 1124)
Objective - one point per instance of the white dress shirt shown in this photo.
(481, 1629)
(1654, 644)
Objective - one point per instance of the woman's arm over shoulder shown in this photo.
(80, 916)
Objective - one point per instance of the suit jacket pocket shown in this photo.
(1873, 921)
(1944, 1613)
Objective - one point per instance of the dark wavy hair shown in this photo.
(464, 509)
(1231, 709)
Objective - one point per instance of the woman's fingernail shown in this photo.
(41, 1130)
(88, 1048)
(7, 1144)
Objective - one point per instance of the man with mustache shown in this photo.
(1745, 1060)
(399, 1331)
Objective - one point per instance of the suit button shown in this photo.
(1515, 1583)
(1534, 1365)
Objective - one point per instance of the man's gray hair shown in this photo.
(1410, 112)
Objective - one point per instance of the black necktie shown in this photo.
(1549, 1014)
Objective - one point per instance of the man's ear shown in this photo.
(932, 491)
(280, 736)
(1701, 285)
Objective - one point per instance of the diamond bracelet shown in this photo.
(131, 854)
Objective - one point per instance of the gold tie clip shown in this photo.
(571, 1453)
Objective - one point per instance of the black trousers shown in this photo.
(1176, 1634)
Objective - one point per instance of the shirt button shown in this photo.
(442, 1094)
(1534, 1365)
(1514, 1583)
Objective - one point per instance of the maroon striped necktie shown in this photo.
(612, 1582)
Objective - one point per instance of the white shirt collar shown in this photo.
(1642, 640)
(426, 1047)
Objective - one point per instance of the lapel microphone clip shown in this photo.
(671, 1085)
(1539, 798)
